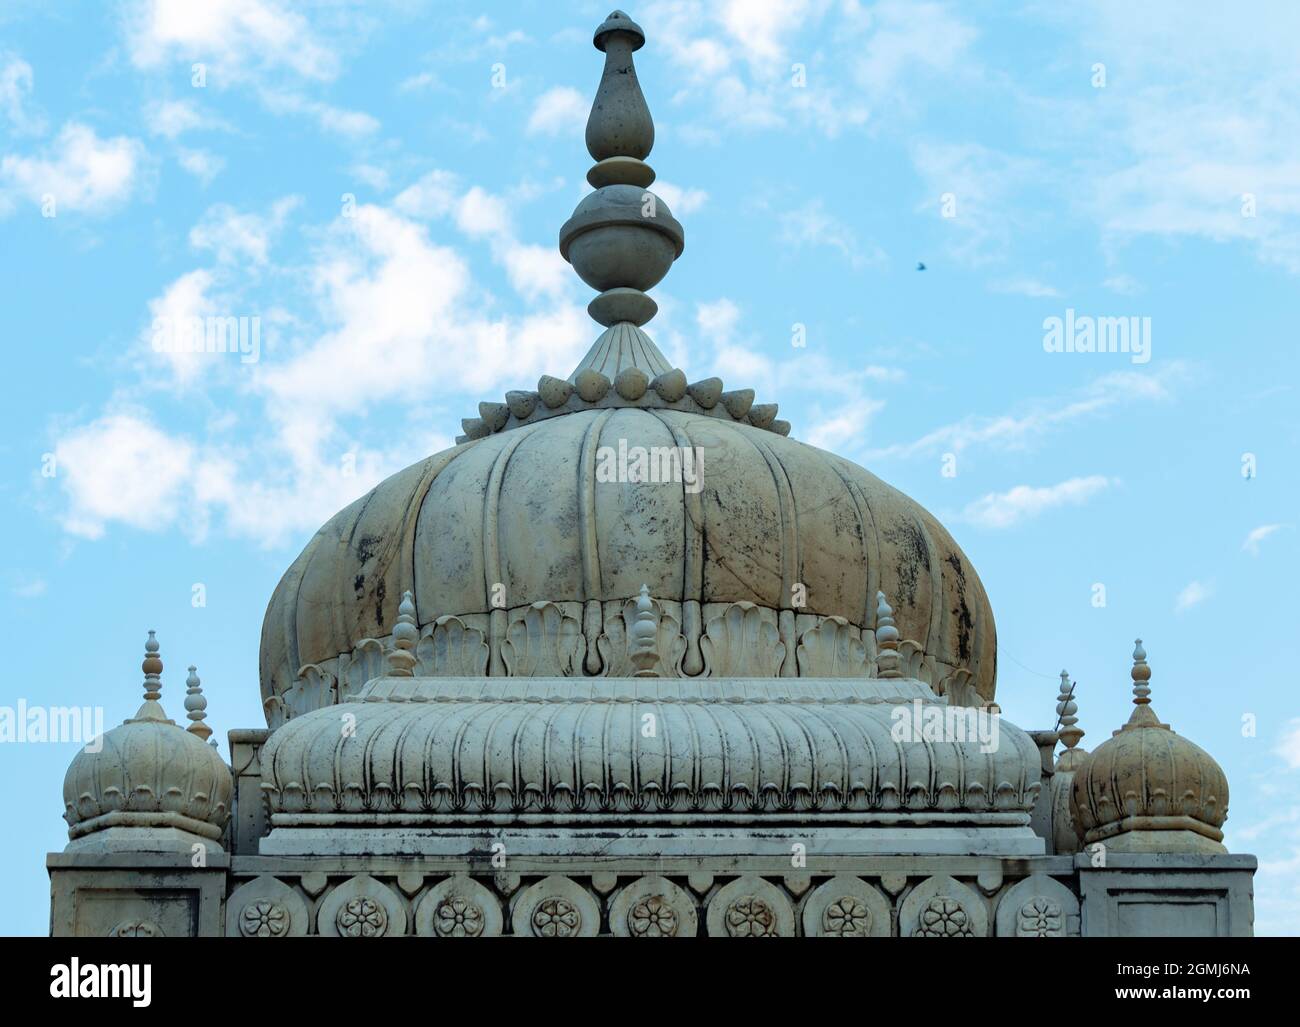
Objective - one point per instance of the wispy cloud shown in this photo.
(1030, 287)
(1195, 593)
(1018, 430)
(1025, 502)
(559, 111)
(1258, 535)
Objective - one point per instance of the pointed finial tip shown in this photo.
(618, 21)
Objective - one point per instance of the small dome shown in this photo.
(1147, 788)
(148, 772)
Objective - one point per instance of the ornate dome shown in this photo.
(1148, 789)
(483, 531)
(580, 492)
(150, 773)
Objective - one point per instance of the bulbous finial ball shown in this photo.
(618, 22)
(620, 124)
(152, 665)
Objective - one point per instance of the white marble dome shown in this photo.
(148, 773)
(520, 517)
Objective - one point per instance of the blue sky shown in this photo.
(382, 186)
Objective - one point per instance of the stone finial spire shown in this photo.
(886, 639)
(1143, 715)
(152, 666)
(401, 658)
(196, 706)
(643, 637)
(621, 239)
(1066, 722)
(1141, 674)
(620, 129)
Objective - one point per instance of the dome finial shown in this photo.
(152, 666)
(622, 239)
(620, 124)
(401, 658)
(643, 636)
(886, 639)
(1141, 674)
(1066, 722)
(196, 705)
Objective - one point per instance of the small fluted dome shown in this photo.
(149, 773)
(1148, 788)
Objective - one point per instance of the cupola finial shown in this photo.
(622, 239)
(196, 705)
(152, 666)
(886, 639)
(1067, 725)
(401, 658)
(1141, 674)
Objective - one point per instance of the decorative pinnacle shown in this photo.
(1143, 715)
(1066, 708)
(1141, 674)
(620, 123)
(643, 636)
(621, 239)
(401, 658)
(886, 639)
(152, 666)
(196, 705)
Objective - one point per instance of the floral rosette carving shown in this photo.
(750, 917)
(457, 917)
(652, 917)
(944, 918)
(361, 918)
(847, 917)
(556, 918)
(264, 919)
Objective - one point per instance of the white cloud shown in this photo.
(236, 236)
(986, 189)
(16, 80)
(236, 37)
(201, 164)
(1205, 118)
(1288, 746)
(1020, 430)
(680, 201)
(1024, 502)
(1125, 285)
(1194, 593)
(122, 468)
(846, 425)
(172, 118)
(81, 171)
(30, 588)
(717, 320)
(1257, 535)
(334, 120)
(186, 299)
(533, 271)
(812, 225)
(559, 111)
(1030, 287)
